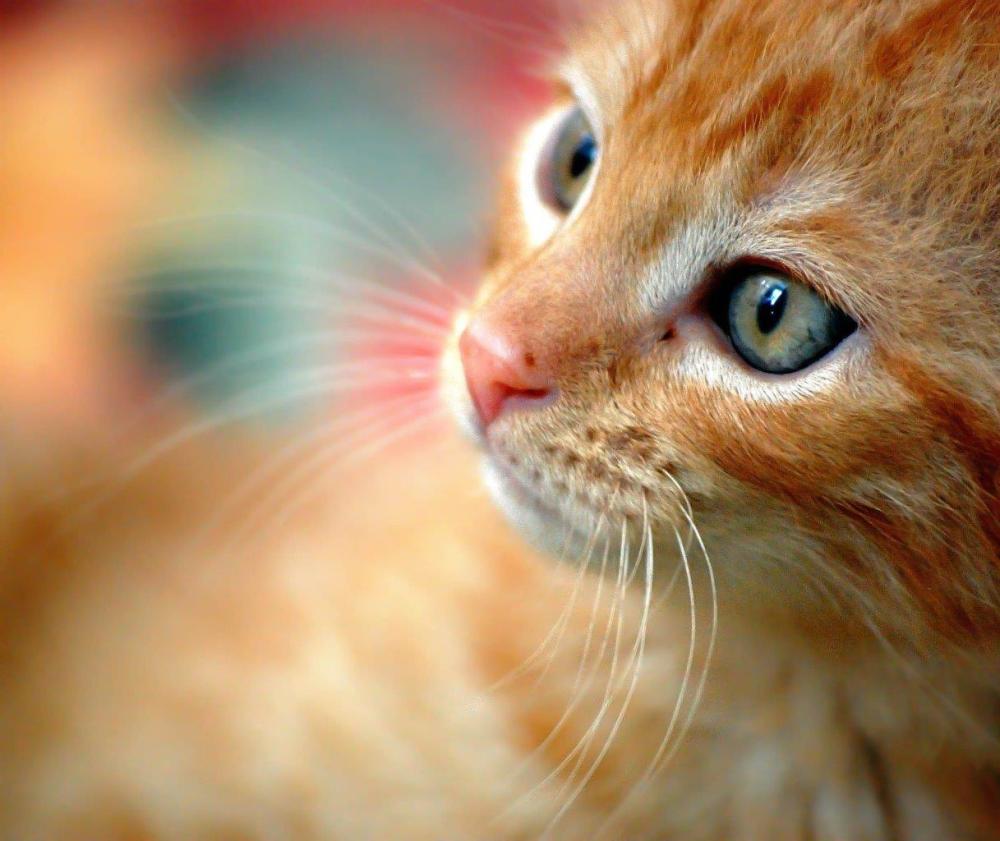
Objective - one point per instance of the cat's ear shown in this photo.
(78, 161)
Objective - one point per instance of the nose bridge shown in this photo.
(556, 321)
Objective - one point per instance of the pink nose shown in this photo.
(500, 373)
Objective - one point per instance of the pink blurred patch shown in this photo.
(400, 340)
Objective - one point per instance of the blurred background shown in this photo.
(192, 192)
(219, 221)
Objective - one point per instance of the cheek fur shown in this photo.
(801, 449)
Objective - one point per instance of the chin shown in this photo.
(563, 534)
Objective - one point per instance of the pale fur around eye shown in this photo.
(557, 167)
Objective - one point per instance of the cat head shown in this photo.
(744, 273)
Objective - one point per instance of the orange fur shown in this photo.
(376, 667)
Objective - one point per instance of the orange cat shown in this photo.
(734, 358)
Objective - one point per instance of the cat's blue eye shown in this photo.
(568, 162)
(779, 325)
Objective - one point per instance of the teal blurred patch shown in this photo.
(319, 162)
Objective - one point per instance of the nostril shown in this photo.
(527, 398)
(500, 374)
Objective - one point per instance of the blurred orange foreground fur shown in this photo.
(391, 660)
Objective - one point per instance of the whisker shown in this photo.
(179, 387)
(617, 616)
(505, 32)
(279, 460)
(664, 745)
(253, 402)
(214, 294)
(580, 686)
(555, 772)
(308, 180)
(530, 660)
(321, 461)
(709, 650)
(635, 667)
(568, 610)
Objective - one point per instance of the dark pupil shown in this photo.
(771, 307)
(583, 156)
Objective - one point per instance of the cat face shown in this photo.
(744, 273)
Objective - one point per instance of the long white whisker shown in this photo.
(540, 649)
(323, 283)
(299, 444)
(320, 462)
(579, 750)
(635, 667)
(571, 604)
(308, 180)
(665, 742)
(613, 612)
(579, 691)
(709, 652)
(253, 402)
(211, 295)
(510, 34)
(581, 686)
(246, 359)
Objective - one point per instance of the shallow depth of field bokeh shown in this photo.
(190, 188)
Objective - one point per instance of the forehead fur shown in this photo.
(874, 123)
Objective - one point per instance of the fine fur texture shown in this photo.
(780, 615)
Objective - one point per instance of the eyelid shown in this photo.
(735, 270)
